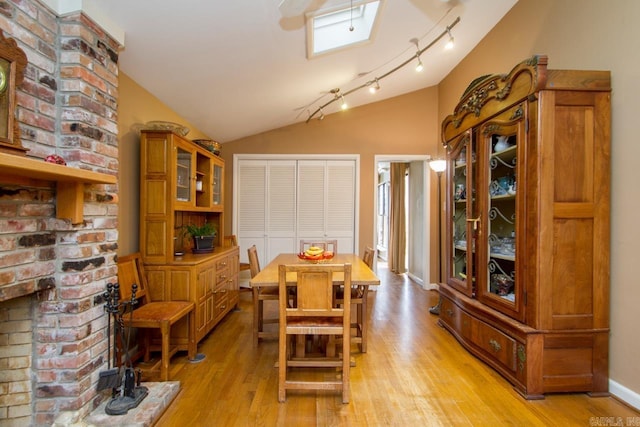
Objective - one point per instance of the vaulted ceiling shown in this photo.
(235, 68)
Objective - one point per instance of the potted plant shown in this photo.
(203, 236)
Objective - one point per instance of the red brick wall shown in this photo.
(67, 105)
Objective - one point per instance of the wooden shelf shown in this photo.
(69, 181)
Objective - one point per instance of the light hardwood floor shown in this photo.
(414, 373)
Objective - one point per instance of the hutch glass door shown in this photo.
(183, 175)
(461, 201)
(498, 285)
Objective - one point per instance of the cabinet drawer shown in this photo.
(455, 317)
(222, 305)
(221, 277)
(222, 263)
(497, 345)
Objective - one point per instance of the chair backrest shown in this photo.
(327, 245)
(314, 291)
(231, 240)
(130, 272)
(368, 256)
(254, 263)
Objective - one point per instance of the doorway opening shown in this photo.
(417, 215)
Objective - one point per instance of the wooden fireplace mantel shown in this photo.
(69, 181)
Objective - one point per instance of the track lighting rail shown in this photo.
(339, 95)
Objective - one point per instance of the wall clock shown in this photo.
(13, 62)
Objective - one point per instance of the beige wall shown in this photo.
(136, 106)
(588, 34)
(584, 34)
(405, 124)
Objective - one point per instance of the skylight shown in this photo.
(337, 28)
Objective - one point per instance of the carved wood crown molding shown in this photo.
(476, 101)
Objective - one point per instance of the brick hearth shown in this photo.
(161, 394)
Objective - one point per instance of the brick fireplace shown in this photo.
(53, 270)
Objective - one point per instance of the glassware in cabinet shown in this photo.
(461, 199)
(217, 185)
(183, 175)
(500, 284)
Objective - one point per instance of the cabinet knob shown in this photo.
(450, 313)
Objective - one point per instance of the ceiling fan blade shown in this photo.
(290, 8)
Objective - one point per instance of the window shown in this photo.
(332, 29)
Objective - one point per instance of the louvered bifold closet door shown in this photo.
(281, 208)
(266, 207)
(326, 201)
(252, 205)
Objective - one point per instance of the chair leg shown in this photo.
(193, 346)
(165, 330)
(346, 365)
(256, 316)
(282, 365)
(362, 314)
(331, 346)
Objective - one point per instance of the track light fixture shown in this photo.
(321, 115)
(336, 96)
(374, 86)
(419, 67)
(339, 95)
(450, 43)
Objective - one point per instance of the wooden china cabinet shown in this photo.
(181, 183)
(527, 274)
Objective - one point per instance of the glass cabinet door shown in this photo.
(461, 200)
(183, 175)
(217, 185)
(498, 285)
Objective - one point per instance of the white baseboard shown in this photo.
(416, 279)
(628, 396)
(430, 287)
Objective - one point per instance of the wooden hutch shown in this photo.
(527, 233)
(181, 183)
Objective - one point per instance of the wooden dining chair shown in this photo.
(151, 315)
(359, 301)
(327, 245)
(232, 240)
(313, 314)
(260, 295)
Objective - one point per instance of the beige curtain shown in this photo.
(397, 226)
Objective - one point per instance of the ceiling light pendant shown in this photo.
(337, 95)
(419, 67)
(374, 86)
(450, 42)
(351, 22)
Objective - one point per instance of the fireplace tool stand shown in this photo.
(127, 393)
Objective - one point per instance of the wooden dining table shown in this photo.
(361, 274)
